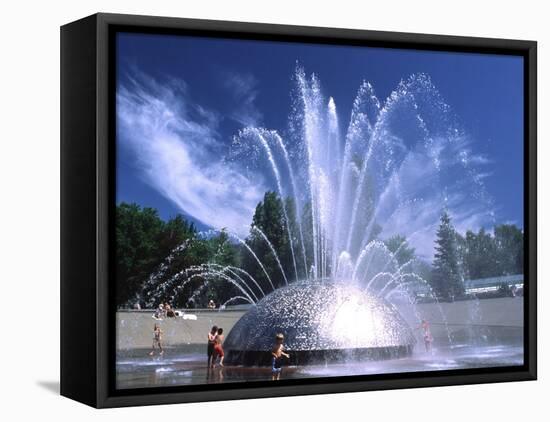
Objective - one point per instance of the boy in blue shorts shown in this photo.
(277, 354)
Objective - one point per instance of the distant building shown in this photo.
(492, 284)
(477, 286)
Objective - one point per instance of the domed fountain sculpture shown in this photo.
(321, 322)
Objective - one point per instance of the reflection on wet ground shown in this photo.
(186, 365)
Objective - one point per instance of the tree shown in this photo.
(446, 279)
(423, 269)
(509, 249)
(399, 246)
(143, 242)
(290, 206)
(307, 228)
(220, 251)
(269, 220)
(137, 250)
(479, 254)
(174, 232)
(462, 249)
(485, 255)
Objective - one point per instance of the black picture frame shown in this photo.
(87, 198)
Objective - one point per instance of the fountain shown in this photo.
(322, 322)
(398, 164)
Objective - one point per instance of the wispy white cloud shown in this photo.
(422, 185)
(177, 148)
(243, 89)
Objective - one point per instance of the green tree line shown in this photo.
(143, 243)
(473, 256)
(152, 254)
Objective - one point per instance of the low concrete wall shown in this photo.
(497, 320)
(135, 328)
(475, 322)
(506, 311)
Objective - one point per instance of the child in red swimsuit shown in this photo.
(211, 342)
(218, 349)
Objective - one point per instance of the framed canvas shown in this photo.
(253, 210)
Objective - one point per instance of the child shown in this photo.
(428, 339)
(218, 349)
(157, 340)
(211, 342)
(169, 311)
(277, 354)
(159, 313)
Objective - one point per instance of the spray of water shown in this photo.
(391, 171)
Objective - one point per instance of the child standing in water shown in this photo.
(218, 349)
(211, 343)
(428, 339)
(277, 354)
(157, 340)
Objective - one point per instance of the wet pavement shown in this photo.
(186, 365)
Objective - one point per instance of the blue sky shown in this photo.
(210, 88)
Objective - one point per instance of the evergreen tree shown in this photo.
(446, 279)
